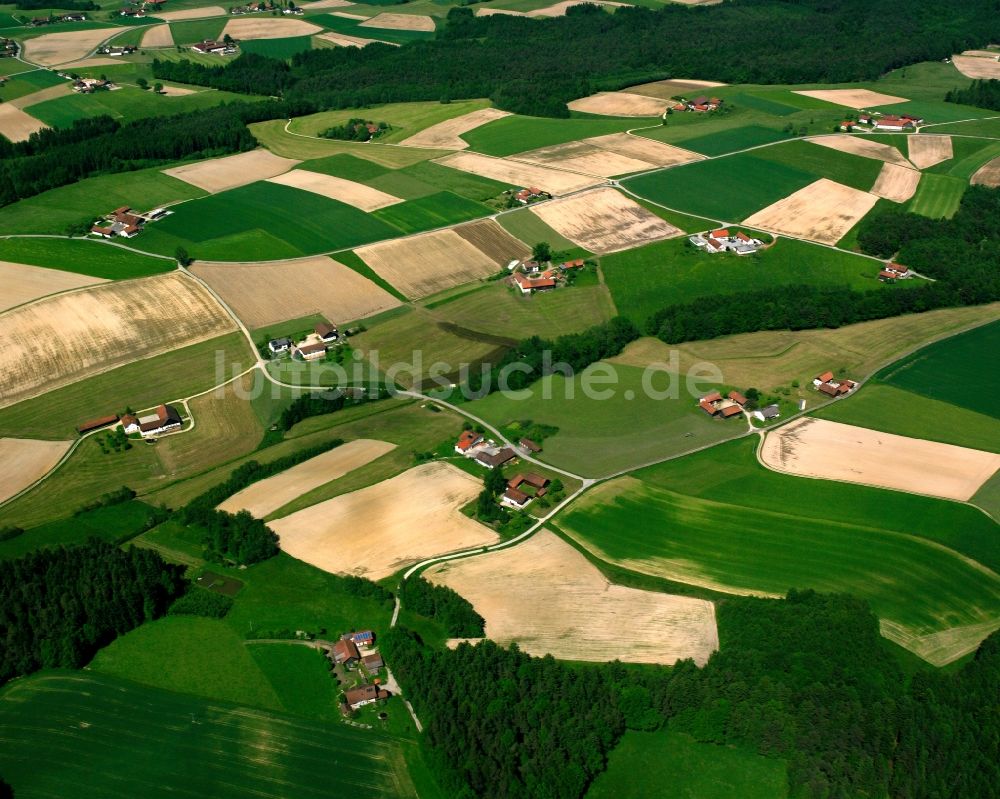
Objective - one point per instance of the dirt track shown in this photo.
(896, 183)
(24, 460)
(220, 174)
(20, 283)
(823, 211)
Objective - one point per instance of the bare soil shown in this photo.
(25, 460)
(493, 241)
(20, 283)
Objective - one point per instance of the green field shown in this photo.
(263, 221)
(517, 134)
(599, 436)
(938, 196)
(953, 370)
(425, 177)
(969, 155)
(101, 737)
(85, 256)
(108, 523)
(711, 520)
(28, 82)
(527, 227)
(734, 139)
(190, 31)
(824, 162)
(671, 765)
(426, 213)
(894, 410)
(644, 280)
(278, 48)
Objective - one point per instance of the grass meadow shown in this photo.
(938, 196)
(278, 48)
(108, 523)
(734, 139)
(969, 155)
(27, 83)
(84, 256)
(189, 31)
(165, 743)
(426, 213)
(527, 227)
(518, 134)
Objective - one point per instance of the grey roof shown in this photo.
(770, 412)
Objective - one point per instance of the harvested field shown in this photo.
(266, 496)
(835, 451)
(896, 183)
(346, 15)
(583, 157)
(547, 597)
(264, 292)
(191, 13)
(653, 152)
(378, 530)
(20, 283)
(17, 125)
(176, 91)
(56, 341)
(927, 149)
(343, 40)
(666, 89)
(988, 174)
(50, 93)
(327, 4)
(219, 174)
(619, 104)
(493, 241)
(489, 12)
(428, 262)
(604, 221)
(866, 148)
(25, 460)
(100, 61)
(269, 28)
(446, 135)
(823, 211)
(51, 49)
(514, 173)
(158, 36)
(400, 22)
(559, 9)
(977, 67)
(852, 98)
(346, 191)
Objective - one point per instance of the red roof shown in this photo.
(518, 497)
(826, 377)
(898, 268)
(467, 439)
(94, 424)
(721, 233)
(738, 398)
(715, 396)
(885, 274)
(829, 388)
(743, 236)
(731, 410)
(707, 408)
(534, 282)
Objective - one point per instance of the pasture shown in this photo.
(278, 48)
(110, 524)
(733, 140)
(550, 600)
(515, 134)
(729, 537)
(526, 226)
(938, 196)
(435, 211)
(166, 742)
(345, 29)
(20, 283)
(89, 261)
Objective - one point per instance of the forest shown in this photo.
(501, 57)
(503, 724)
(59, 606)
(439, 602)
(980, 93)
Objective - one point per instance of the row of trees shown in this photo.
(980, 93)
(59, 606)
(454, 612)
(807, 679)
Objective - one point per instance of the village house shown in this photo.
(700, 104)
(890, 121)
(833, 386)
(722, 240)
(716, 406)
(531, 194)
(738, 398)
(91, 85)
(493, 458)
(515, 496)
(466, 441)
(373, 662)
(310, 352)
(578, 263)
(345, 652)
(847, 125)
(163, 420)
(364, 695)
(73, 18)
(327, 333)
(893, 272)
(528, 445)
(115, 50)
(365, 638)
(122, 222)
(277, 345)
(767, 413)
(529, 284)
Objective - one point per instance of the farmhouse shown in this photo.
(833, 386)
(896, 123)
(212, 46)
(327, 332)
(723, 240)
(277, 345)
(528, 445)
(493, 458)
(738, 398)
(700, 104)
(528, 284)
(715, 405)
(522, 488)
(345, 652)
(8, 48)
(96, 424)
(766, 414)
(575, 264)
(120, 222)
(73, 18)
(893, 272)
(466, 441)
(90, 85)
(311, 352)
(373, 662)
(364, 695)
(364, 638)
(163, 420)
(531, 194)
(115, 50)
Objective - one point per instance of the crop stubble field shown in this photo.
(24, 460)
(823, 211)
(447, 135)
(346, 191)
(896, 183)
(515, 173)
(20, 283)
(220, 174)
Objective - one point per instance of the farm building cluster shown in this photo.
(8, 48)
(265, 8)
(91, 85)
(347, 653)
(523, 488)
(313, 347)
(54, 19)
(767, 413)
(531, 276)
(723, 240)
(877, 121)
(116, 51)
(484, 451)
(163, 419)
(893, 272)
(833, 386)
(530, 194)
(717, 406)
(213, 47)
(141, 9)
(126, 222)
(697, 105)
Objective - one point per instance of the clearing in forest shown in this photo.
(267, 28)
(266, 496)
(20, 283)
(896, 183)
(378, 530)
(346, 191)
(58, 340)
(427, 263)
(400, 22)
(852, 98)
(604, 221)
(51, 49)
(158, 36)
(515, 173)
(446, 135)
(265, 292)
(823, 211)
(619, 104)
(926, 150)
(25, 460)
(220, 174)
(866, 148)
(835, 451)
(988, 174)
(550, 600)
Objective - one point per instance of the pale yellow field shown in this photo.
(546, 597)
(518, 174)
(348, 15)
(51, 49)
(265, 292)
(446, 135)
(427, 263)
(327, 4)
(20, 283)
(853, 98)
(268, 28)
(619, 104)
(835, 451)
(400, 22)
(50, 93)
(977, 67)
(559, 9)
(896, 183)
(266, 496)
(988, 174)
(928, 149)
(643, 149)
(100, 61)
(343, 40)
(17, 125)
(24, 460)
(489, 12)
(346, 191)
(378, 530)
(863, 147)
(176, 91)
(158, 36)
(191, 13)
(665, 89)
(58, 340)
(580, 156)
(604, 221)
(219, 174)
(823, 211)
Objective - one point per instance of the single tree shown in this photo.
(182, 256)
(542, 252)
(142, 83)
(158, 88)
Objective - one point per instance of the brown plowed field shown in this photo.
(493, 241)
